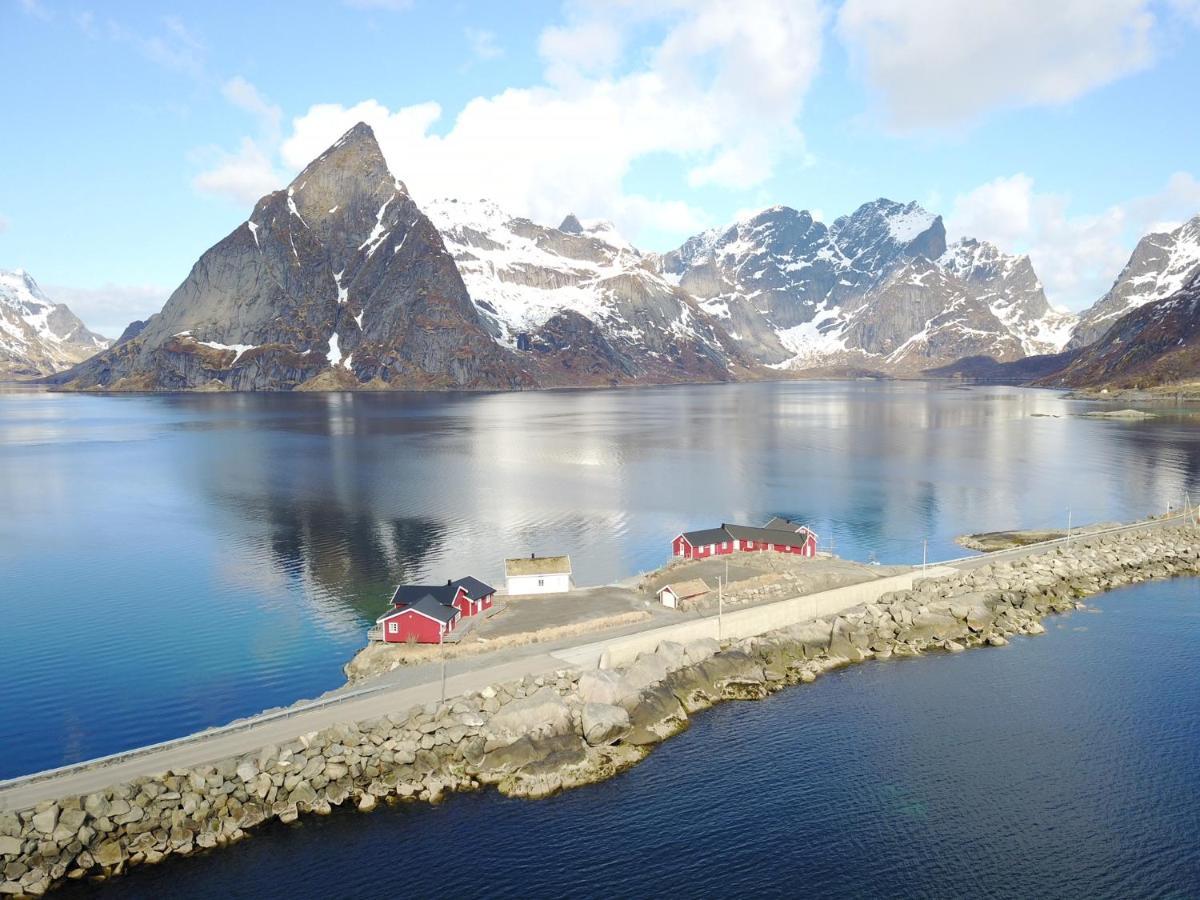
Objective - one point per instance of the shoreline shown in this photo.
(534, 736)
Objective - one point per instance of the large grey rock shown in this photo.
(603, 723)
(604, 686)
(543, 712)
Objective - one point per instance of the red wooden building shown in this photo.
(427, 613)
(778, 535)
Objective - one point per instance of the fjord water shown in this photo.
(173, 562)
(1061, 766)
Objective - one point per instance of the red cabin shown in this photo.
(778, 535)
(426, 622)
(427, 613)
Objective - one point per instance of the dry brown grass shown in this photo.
(377, 658)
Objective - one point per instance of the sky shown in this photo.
(139, 134)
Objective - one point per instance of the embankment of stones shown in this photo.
(538, 736)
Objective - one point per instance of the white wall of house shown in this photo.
(538, 584)
(668, 598)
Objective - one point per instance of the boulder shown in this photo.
(604, 723)
(699, 650)
(656, 716)
(650, 668)
(543, 712)
(45, 820)
(109, 854)
(604, 686)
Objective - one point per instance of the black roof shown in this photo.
(785, 524)
(745, 533)
(435, 610)
(475, 587)
(408, 594)
(706, 536)
(766, 535)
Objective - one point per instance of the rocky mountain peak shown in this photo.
(37, 335)
(879, 232)
(571, 225)
(1161, 264)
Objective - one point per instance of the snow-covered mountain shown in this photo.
(1013, 293)
(877, 290)
(579, 287)
(1161, 264)
(37, 335)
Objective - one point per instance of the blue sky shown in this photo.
(139, 134)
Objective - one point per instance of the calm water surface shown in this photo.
(1061, 766)
(172, 562)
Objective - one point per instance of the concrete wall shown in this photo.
(742, 623)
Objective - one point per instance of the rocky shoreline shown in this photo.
(537, 736)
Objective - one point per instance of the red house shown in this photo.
(778, 535)
(426, 621)
(427, 613)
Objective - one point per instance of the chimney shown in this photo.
(448, 582)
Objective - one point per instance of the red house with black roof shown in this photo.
(427, 613)
(778, 535)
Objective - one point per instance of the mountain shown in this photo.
(37, 335)
(341, 281)
(581, 301)
(1160, 265)
(1012, 292)
(876, 290)
(338, 281)
(1153, 344)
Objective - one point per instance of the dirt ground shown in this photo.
(762, 577)
(531, 613)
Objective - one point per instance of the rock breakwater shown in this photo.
(537, 736)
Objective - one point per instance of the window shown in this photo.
(541, 582)
(393, 628)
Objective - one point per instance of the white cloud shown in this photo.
(1077, 256)
(936, 63)
(249, 172)
(721, 91)
(108, 309)
(245, 96)
(242, 176)
(484, 45)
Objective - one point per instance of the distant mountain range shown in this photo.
(341, 281)
(37, 335)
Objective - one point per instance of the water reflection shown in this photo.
(256, 535)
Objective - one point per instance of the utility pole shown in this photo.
(1068, 526)
(720, 609)
(924, 554)
(442, 648)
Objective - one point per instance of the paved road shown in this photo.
(348, 708)
(394, 692)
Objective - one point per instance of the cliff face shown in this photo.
(1155, 344)
(586, 305)
(877, 290)
(340, 276)
(1161, 264)
(37, 335)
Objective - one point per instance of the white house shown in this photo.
(538, 575)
